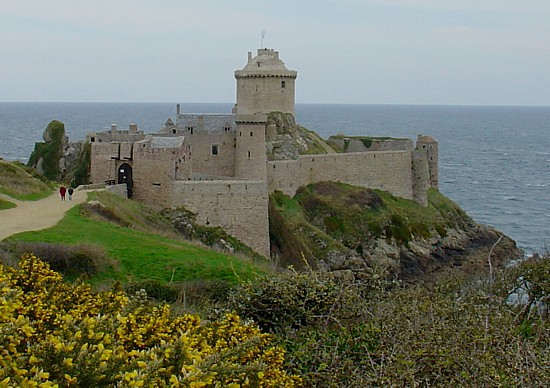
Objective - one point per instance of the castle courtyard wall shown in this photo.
(384, 170)
(154, 171)
(106, 157)
(239, 207)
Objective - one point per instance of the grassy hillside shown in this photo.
(141, 245)
(330, 216)
(21, 182)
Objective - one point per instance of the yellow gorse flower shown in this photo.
(54, 333)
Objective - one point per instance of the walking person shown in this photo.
(70, 191)
(62, 191)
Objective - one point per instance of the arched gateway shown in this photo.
(125, 176)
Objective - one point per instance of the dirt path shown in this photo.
(36, 215)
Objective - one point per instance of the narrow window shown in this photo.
(214, 150)
(283, 84)
(249, 154)
(251, 134)
(174, 131)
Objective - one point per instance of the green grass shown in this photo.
(6, 204)
(328, 215)
(141, 256)
(23, 183)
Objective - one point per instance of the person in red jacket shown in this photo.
(62, 191)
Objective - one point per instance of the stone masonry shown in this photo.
(215, 165)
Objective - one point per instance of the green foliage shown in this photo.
(455, 333)
(80, 175)
(398, 229)
(294, 240)
(332, 356)
(367, 141)
(70, 260)
(293, 300)
(6, 204)
(23, 183)
(533, 279)
(142, 255)
(325, 214)
(54, 333)
(50, 152)
(154, 289)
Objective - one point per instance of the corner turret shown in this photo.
(430, 146)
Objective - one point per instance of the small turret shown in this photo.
(430, 146)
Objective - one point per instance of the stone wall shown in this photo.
(239, 207)
(250, 156)
(212, 141)
(106, 158)
(154, 170)
(384, 170)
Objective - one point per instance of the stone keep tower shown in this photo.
(265, 85)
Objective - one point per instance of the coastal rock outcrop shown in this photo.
(60, 160)
(338, 227)
(287, 140)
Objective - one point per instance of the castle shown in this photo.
(216, 165)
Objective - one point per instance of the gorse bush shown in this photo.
(53, 333)
(153, 289)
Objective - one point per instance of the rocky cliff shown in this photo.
(60, 160)
(287, 140)
(349, 229)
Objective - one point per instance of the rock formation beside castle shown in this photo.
(222, 167)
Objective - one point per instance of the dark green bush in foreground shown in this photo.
(455, 332)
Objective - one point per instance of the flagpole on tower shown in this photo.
(262, 40)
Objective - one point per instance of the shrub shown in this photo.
(70, 260)
(297, 299)
(457, 333)
(54, 333)
(154, 289)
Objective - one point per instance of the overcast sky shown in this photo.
(472, 52)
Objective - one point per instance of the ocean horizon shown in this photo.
(494, 161)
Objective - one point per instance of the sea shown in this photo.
(494, 161)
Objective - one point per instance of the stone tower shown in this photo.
(265, 85)
(430, 146)
(250, 155)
